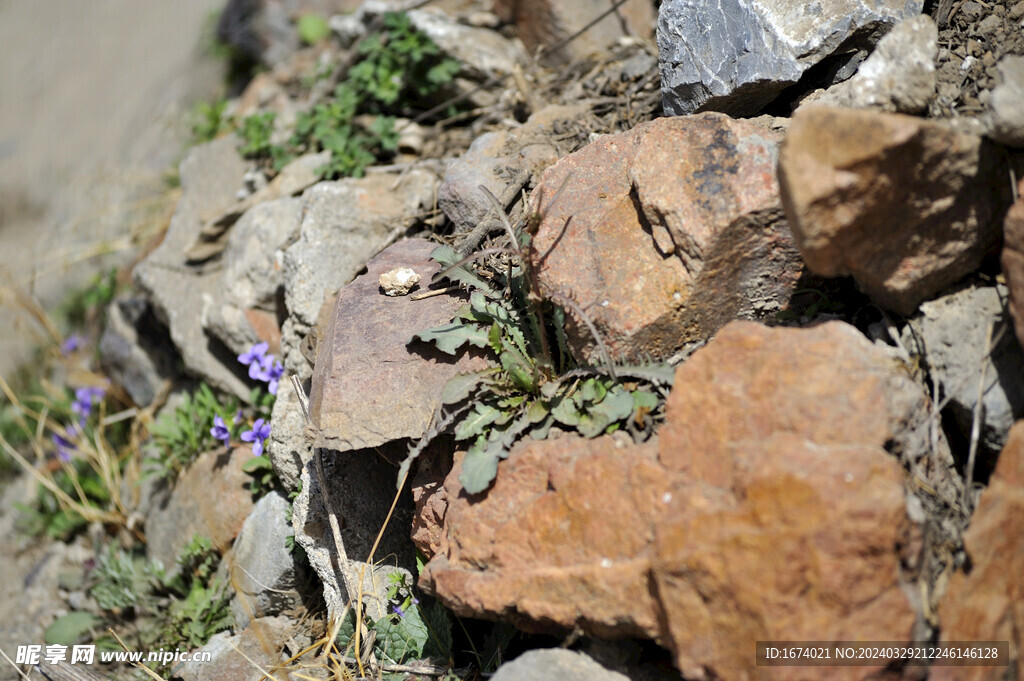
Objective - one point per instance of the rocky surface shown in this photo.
(555, 663)
(905, 206)
(695, 203)
(134, 350)
(1013, 260)
(737, 56)
(664, 539)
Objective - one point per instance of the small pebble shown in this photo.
(399, 281)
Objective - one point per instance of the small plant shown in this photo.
(208, 121)
(312, 28)
(182, 435)
(123, 580)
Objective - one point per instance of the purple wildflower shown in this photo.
(272, 375)
(397, 609)
(254, 358)
(65, 447)
(73, 342)
(260, 432)
(220, 430)
(238, 417)
(84, 399)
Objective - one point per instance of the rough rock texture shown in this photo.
(768, 508)
(246, 311)
(555, 663)
(242, 656)
(366, 367)
(949, 333)
(210, 498)
(210, 176)
(1013, 259)
(483, 53)
(1006, 108)
(736, 56)
(695, 204)
(904, 205)
(262, 568)
(546, 23)
(987, 603)
(135, 352)
(899, 76)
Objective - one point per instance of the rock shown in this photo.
(239, 657)
(695, 203)
(344, 224)
(398, 282)
(986, 603)
(263, 569)
(547, 23)
(737, 56)
(949, 335)
(483, 53)
(1013, 259)
(135, 352)
(361, 486)
(1006, 107)
(768, 507)
(210, 176)
(899, 76)
(211, 498)
(367, 367)
(499, 159)
(246, 312)
(555, 664)
(904, 205)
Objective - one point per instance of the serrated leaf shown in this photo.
(616, 406)
(447, 256)
(541, 431)
(450, 337)
(402, 638)
(494, 338)
(521, 375)
(476, 421)
(460, 386)
(565, 412)
(478, 468)
(70, 628)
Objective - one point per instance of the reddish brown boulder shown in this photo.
(694, 202)
(369, 386)
(1013, 260)
(768, 508)
(987, 603)
(904, 205)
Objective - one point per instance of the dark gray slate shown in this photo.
(736, 56)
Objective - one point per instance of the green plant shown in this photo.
(208, 121)
(264, 479)
(257, 131)
(184, 433)
(201, 606)
(83, 305)
(123, 580)
(312, 28)
(531, 386)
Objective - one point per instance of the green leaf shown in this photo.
(450, 337)
(565, 412)
(643, 399)
(70, 628)
(592, 424)
(402, 638)
(478, 468)
(476, 421)
(460, 386)
(616, 406)
(593, 390)
(312, 28)
(447, 256)
(257, 463)
(537, 411)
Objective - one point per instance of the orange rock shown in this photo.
(1013, 259)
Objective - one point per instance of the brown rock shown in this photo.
(546, 23)
(1013, 260)
(904, 205)
(768, 509)
(694, 202)
(211, 498)
(987, 603)
(369, 385)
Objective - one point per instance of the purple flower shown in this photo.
(254, 358)
(260, 432)
(65, 447)
(73, 342)
(220, 430)
(84, 399)
(397, 609)
(238, 417)
(272, 375)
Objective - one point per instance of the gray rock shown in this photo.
(555, 664)
(135, 352)
(252, 278)
(949, 334)
(242, 656)
(263, 570)
(210, 176)
(899, 76)
(482, 52)
(1006, 108)
(361, 486)
(736, 56)
(344, 223)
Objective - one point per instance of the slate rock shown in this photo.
(1006, 107)
(135, 352)
(210, 498)
(555, 664)
(372, 384)
(262, 568)
(899, 76)
(1013, 259)
(548, 23)
(904, 205)
(210, 175)
(986, 602)
(695, 204)
(736, 56)
(949, 334)
(767, 507)
(246, 312)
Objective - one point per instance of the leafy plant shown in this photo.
(312, 28)
(264, 479)
(180, 436)
(208, 121)
(123, 580)
(531, 386)
(85, 304)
